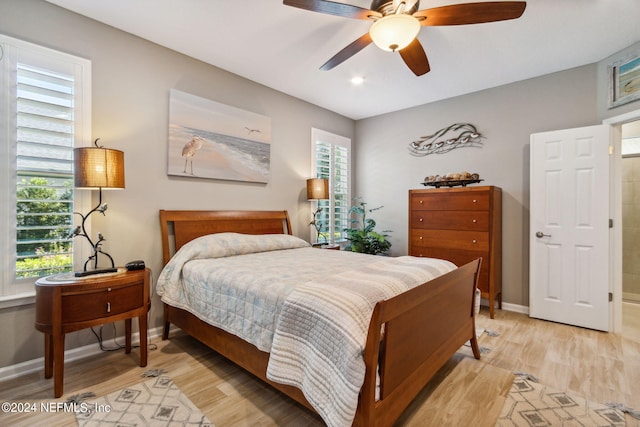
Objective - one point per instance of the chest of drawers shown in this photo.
(460, 225)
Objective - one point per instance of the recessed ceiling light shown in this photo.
(357, 80)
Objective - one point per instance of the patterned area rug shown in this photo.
(157, 402)
(534, 405)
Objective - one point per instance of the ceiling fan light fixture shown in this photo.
(394, 32)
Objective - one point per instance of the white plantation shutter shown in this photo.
(44, 113)
(44, 168)
(331, 159)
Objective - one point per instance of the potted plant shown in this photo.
(362, 236)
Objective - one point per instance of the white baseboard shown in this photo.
(509, 307)
(524, 309)
(23, 368)
(630, 296)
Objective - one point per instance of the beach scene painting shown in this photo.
(624, 85)
(208, 139)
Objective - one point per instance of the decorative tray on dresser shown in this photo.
(460, 225)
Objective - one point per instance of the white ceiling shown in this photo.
(282, 47)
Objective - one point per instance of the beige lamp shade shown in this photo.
(317, 189)
(97, 167)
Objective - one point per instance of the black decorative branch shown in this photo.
(81, 230)
(318, 224)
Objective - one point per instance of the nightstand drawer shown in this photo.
(90, 305)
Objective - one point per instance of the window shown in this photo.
(44, 113)
(331, 159)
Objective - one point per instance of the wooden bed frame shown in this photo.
(423, 327)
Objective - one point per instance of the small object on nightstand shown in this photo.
(334, 247)
(135, 265)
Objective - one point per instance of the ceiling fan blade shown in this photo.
(471, 13)
(415, 58)
(347, 52)
(333, 8)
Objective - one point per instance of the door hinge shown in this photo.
(610, 296)
(610, 223)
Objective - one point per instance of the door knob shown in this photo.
(540, 235)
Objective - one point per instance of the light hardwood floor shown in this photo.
(599, 366)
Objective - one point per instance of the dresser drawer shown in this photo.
(450, 220)
(476, 201)
(451, 239)
(89, 305)
(459, 258)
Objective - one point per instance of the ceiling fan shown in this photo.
(397, 24)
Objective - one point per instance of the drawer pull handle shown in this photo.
(420, 238)
(475, 201)
(474, 241)
(108, 307)
(420, 220)
(475, 220)
(421, 202)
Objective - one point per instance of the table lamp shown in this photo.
(317, 189)
(96, 167)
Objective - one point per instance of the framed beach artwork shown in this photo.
(208, 139)
(624, 80)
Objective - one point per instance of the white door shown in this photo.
(569, 227)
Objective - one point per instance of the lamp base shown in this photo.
(98, 271)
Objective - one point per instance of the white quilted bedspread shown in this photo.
(320, 339)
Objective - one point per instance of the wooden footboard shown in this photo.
(423, 328)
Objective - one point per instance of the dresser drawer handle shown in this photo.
(474, 221)
(421, 202)
(420, 238)
(108, 307)
(474, 241)
(475, 201)
(420, 220)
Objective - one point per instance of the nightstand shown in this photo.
(65, 303)
(327, 246)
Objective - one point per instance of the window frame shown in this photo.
(13, 51)
(319, 135)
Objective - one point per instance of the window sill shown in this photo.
(17, 300)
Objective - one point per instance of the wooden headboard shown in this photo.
(188, 225)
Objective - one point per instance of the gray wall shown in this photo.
(131, 82)
(506, 116)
